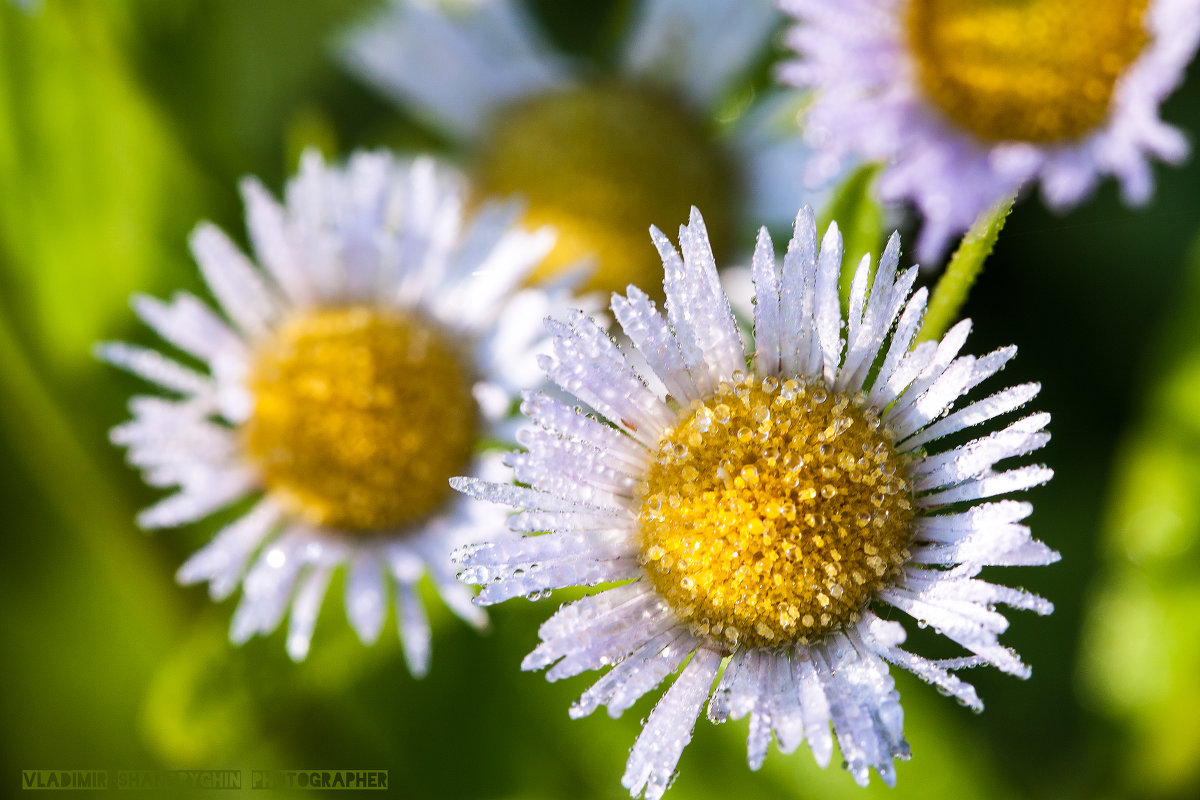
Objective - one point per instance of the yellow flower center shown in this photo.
(1025, 70)
(772, 512)
(361, 417)
(601, 164)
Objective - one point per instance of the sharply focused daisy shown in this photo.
(600, 156)
(384, 338)
(968, 99)
(762, 512)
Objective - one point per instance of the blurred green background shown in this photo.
(122, 124)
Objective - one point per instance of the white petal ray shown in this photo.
(366, 597)
(639, 673)
(416, 638)
(267, 588)
(800, 350)
(569, 422)
(306, 607)
(222, 561)
(267, 224)
(156, 368)
(198, 499)
(649, 333)
(523, 498)
(828, 309)
(697, 48)
(697, 307)
(1014, 480)
(590, 367)
(236, 283)
(454, 66)
(768, 333)
(669, 728)
(192, 327)
(817, 719)
(980, 411)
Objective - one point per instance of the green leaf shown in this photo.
(97, 195)
(1142, 636)
(952, 288)
(859, 218)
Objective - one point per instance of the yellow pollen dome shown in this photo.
(1025, 70)
(773, 511)
(361, 417)
(601, 164)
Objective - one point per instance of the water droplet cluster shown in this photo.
(773, 511)
(602, 162)
(1035, 71)
(361, 417)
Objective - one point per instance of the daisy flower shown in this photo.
(760, 512)
(382, 340)
(578, 144)
(966, 101)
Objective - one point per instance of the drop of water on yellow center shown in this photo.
(773, 511)
(361, 417)
(601, 164)
(1025, 70)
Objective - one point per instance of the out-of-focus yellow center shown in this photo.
(361, 417)
(601, 164)
(772, 512)
(1025, 70)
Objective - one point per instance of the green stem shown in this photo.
(960, 275)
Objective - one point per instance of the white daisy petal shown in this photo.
(640, 672)
(698, 47)
(865, 709)
(156, 368)
(237, 285)
(590, 366)
(267, 588)
(669, 728)
(797, 300)
(455, 68)
(607, 646)
(222, 561)
(266, 222)
(366, 598)
(566, 421)
(192, 327)
(607, 611)
(697, 308)
(305, 609)
(805, 671)
(980, 411)
(197, 500)
(576, 466)
(737, 690)
(1014, 480)
(828, 310)
(768, 334)
(415, 635)
(649, 333)
(787, 707)
(901, 350)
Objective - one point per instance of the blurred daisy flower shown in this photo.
(580, 145)
(383, 339)
(757, 516)
(966, 101)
